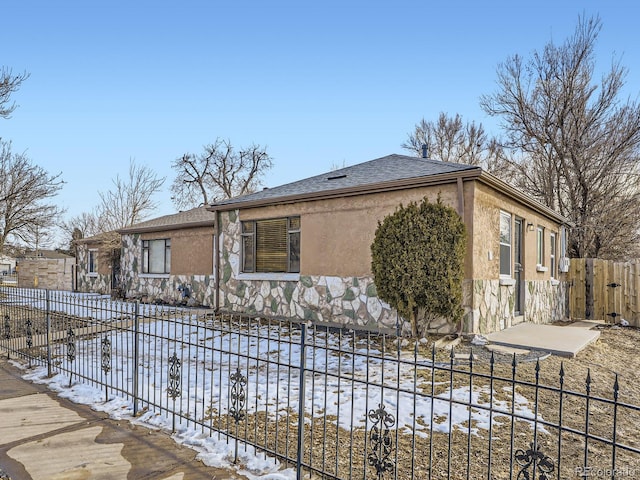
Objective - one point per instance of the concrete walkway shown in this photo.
(562, 339)
(44, 437)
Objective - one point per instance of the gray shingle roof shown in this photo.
(383, 169)
(98, 238)
(195, 217)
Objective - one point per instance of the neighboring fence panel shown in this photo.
(327, 403)
(605, 290)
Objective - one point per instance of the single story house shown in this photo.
(97, 263)
(303, 249)
(170, 258)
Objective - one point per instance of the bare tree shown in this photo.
(9, 83)
(449, 139)
(577, 143)
(24, 193)
(129, 202)
(80, 226)
(219, 172)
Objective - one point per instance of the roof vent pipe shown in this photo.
(424, 150)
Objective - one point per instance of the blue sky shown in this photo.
(318, 83)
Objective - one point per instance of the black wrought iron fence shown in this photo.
(329, 403)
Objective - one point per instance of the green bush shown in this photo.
(418, 262)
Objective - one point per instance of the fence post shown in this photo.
(301, 400)
(135, 357)
(48, 320)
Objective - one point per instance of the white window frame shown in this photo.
(553, 254)
(249, 238)
(92, 262)
(540, 246)
(504, 245)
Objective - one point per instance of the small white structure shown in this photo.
(7, 265)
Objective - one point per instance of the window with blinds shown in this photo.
(271, 245)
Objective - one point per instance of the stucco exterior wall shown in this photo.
(336, 234)
(486, 224)
(191, 268)
(335, 284)
(321, 298)
(489, 304)
(191, 249)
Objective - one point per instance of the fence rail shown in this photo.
(326, 403)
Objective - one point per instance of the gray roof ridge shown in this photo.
(377, 170)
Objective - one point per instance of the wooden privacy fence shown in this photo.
(605, 290)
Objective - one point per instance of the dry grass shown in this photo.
(343, 453)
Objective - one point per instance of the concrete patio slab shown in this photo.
(564, 340)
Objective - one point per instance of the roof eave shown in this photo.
(429, 180)
(165, 228)
(516, 194)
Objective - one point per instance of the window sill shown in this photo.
(554, 282)
(507, 282)
(154, 275)
(281, 277)
(92, 275)
(540, 268)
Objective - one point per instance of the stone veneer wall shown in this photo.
(336, 300)
(493, 303)
(163, 288)
(90, 283)
(353, 301)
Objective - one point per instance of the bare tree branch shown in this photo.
(450, 140)
(9, 84)
(81, 226)
(578, 144)
(219, 172)
(130, 201)
(24, 193)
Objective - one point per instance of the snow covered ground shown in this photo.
(345, 378)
